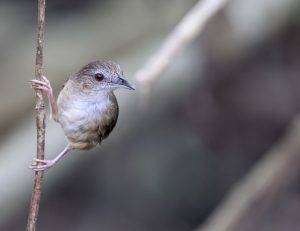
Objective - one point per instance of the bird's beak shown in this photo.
(124, 83)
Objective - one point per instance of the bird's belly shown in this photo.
(81, 125)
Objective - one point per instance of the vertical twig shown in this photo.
(40, 121)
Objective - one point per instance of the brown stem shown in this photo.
(40, 121)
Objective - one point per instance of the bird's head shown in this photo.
(102, 75)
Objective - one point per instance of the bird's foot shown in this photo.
(44, 85)
(46, 88)
(44, 166)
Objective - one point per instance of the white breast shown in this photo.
(80, 118)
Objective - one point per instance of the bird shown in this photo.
(86, 107)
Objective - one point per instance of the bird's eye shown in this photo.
(99, 76)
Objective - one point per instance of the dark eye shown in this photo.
(99, 76)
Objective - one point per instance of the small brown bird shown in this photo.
(86, 107)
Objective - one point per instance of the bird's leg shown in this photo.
(45, 86)
(48, 163)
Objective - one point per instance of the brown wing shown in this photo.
(108, 122)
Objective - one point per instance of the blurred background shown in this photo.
(222, 103)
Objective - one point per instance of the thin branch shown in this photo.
(189, 27)
(254, 196)
(40, 121)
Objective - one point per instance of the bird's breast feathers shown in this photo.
(87, 121)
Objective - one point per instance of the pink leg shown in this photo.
(45, 86)
(49, 163)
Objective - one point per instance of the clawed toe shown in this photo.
(38, 87)
(41, 85)
(38, 82)
(42, 161)
(46, 80)
(45, 164)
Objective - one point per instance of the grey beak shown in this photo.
(124, 83)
